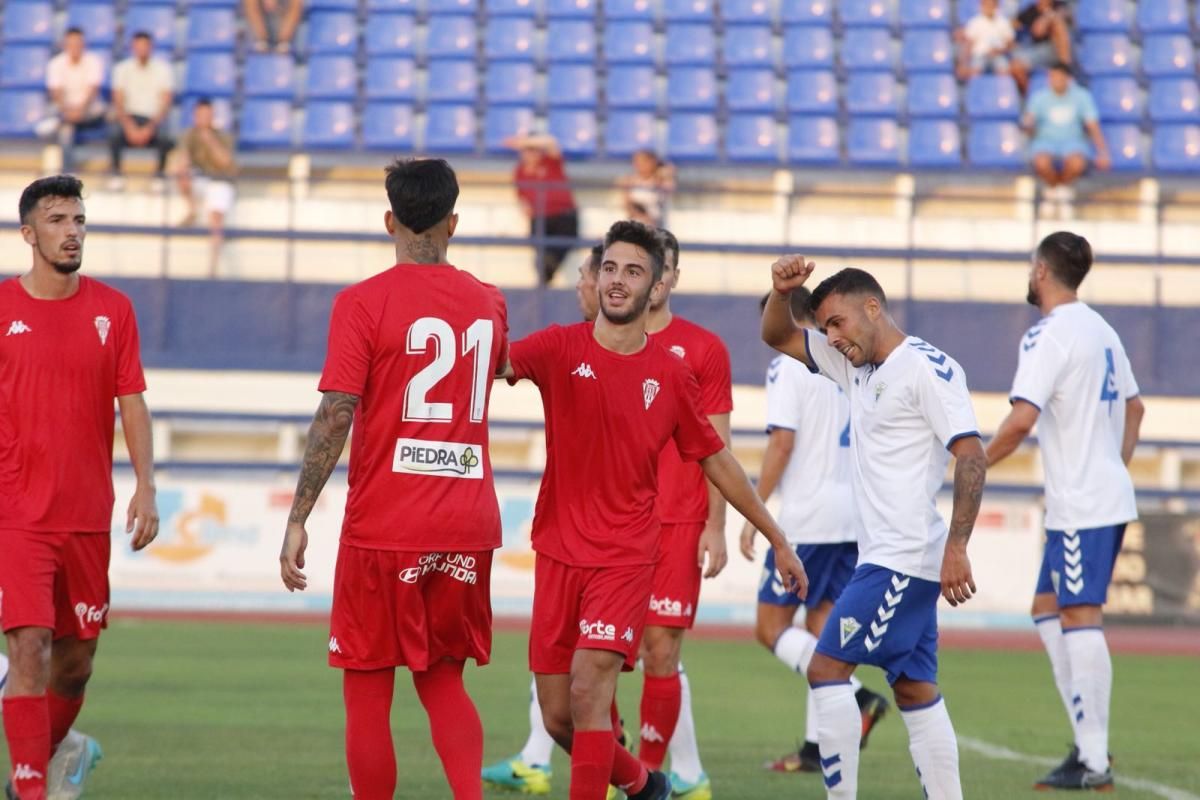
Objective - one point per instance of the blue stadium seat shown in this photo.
(450, 129)
(212, 74)
(751, 90)
(452, 81)
(106, 59)
(807, 47)
(993, 97)
(996, 145)
(28, 23)
(1175, 100)
(688, 10)
(98, 21)
(393, 35)
(450, 36)
(873, 142)
(333, 32)
(391, 79)
(933, 95)
(510, 83)
(571, 9)
(332, 78)
(813, 140)
(1126, 146)
(748, 46)
(807, 12)
(571, 85)
(1038, 80)
(407, 6)
(629, 42)
(934, 143)
(215, 4)
(211, 29)
(866, 13)
(1102, 16)
(746, 11)
(24, 67)
(871, 94)
(866, 48)
(269, 75)
(1176, 148)
(511, 8)
(570, 40)
(692, 137)
(626, 132)
(328, 125)
(692, 88)
(1163, 16)
(812, 92)
(575, 129)
(690, 43)
(131, 3)
(501, 122)
(387, 126)
(629, 9)
(631, 87)
(926, 51)
(924, 14)
(332, 5)
(752, 137)
(20, 110)
(509, 38)
(265, 124)
(158, 21)
(1117, 99)
(1169, 54)
(1107, 54)
(222, 112)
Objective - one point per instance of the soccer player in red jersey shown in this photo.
(412, 353)
(613, 399)
(70, 345)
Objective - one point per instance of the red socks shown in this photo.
(27, 726)
(454, 723)
(661, 698)
(628, 774)
(63, 711)
(369, 752)
(591, 764)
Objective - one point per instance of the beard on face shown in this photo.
(1033, 297)
(634, 311)
(65, 267)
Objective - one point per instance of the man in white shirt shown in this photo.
(909, 411)
(986, 41)
(142, 90)
(73, 79)
(1075, 382)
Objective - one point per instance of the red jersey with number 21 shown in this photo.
(419, 345)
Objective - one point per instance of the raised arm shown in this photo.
(1135, 409)
(970, 471)
(142, 517)
(779, 328)
(1015, 428)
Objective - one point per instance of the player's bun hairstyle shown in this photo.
(848, 281)
(597, 255)
(53, 186)
(670, 243)
(643, 236)
(1067, 256)
(801, 309)
(422, 191)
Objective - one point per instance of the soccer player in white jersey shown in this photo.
(1075, 382)
(909, 411)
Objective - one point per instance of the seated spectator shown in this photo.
(279, 16)
(545, 196)
(1061, 118)
(1048, 26)
(205, 167)
(142, 90)
(73, 79)
(985, 42)
(646, 190)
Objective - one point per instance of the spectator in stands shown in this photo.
(1061, 118)
(143, 87)
(646, 190)
(280, 16)
(73, 79)
(205, 167)
(545, 196)
(985, 42)
(1047, 24)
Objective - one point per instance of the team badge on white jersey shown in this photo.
(650, 389)
(103, 325)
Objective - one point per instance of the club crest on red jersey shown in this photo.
(650, 389)
(103, 325)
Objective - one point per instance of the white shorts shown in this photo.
(218, 194)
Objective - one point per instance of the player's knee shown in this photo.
(558, 725)
(71, 678)
(914, 693)
(29, 660)
(660, 656)
(767, 632)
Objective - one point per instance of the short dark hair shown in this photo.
(67, 186)
(670, 243)
(142, 34)
(848, 281)
(422, 191)
(596, 256)
(1067, 256)
(643, 236)
(800, 304)
(74, 30)
(1062, 66)
(202, 101)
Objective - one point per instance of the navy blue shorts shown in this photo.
(1077, 565)
(829, 567)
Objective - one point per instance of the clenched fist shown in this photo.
(790, 272)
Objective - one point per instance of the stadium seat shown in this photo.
(993, 97)
(332, 5)
(211, 29)
(452, 81)
(407, 6)
(692, 137)
(806, 12)
(866, 13)
(158, 21)
(328, 125)
(813, 140)
(222, 111)
(511, 8)
(631, 87)
(1166, 55)
(996, 145)
(752, 137)
(866, 48)
(510, 83)
(692, 88)
(28, 23)
(1176, 148)
(393, 35)
(629, 43)
(501, 122)
(751, 90)
(269, 75)
(332, 32)
(451, 36)
(688, 10)
(211, 74)
(450, 129)
(24, 67)
(265, 124)
(626, 132)
(934, 143)
(215, 4)
(933, 95)
(570, 40)
(807, 47)
(1107, 54)
(748, 46)
(1102, 16)
(391, 79)
(97, 21)
(387, 126)
(331, 78)
(20, 110)
(690, 43)
(873, 142)
(575, 129)
(746, 11)
(571, 9)
(1126, 146)
(509, 38)
(1175, 100)
(926, 51)
(629, 9)
(871, 94)
(571, 85)
(1163, 16)
(924, 14)
(1038, 80)
(812, 92)
(1117, 99)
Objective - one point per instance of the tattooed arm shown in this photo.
(326, 440)
(970, 469)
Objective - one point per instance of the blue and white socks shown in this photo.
(1049, 628)
(1091, 691)
(839, 733)
(934, 749)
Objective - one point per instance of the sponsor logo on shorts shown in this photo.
(446, 459)
(650, 733)
(334, 647)
(850, 626)
(666, 607)
(90, 615)
(459, 566)
(600, 631)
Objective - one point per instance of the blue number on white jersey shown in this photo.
(1109, 392)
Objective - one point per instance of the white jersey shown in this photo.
(1073, 368)
(904, 415)
(818, 503)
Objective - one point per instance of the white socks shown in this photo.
(683, 749)
(810, 718)
(839, 732)
(1050, 629)
(795, 648)
(934, 749)
(1091, 690)
(539, 746)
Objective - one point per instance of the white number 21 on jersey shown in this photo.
(477, 339)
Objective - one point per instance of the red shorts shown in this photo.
(399, 609)
(585, 608)
(676, 576)
(55, 580)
